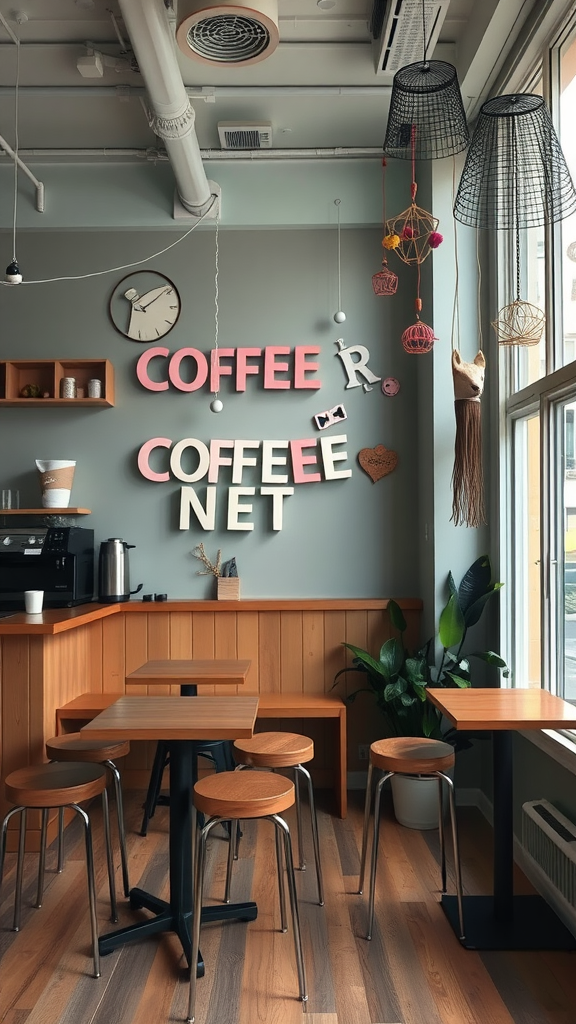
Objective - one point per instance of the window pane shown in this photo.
(568, 226)
(567, 601)
(526, 596)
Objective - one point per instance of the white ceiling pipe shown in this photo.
(38, 184)
(173, 118)
(154, 155)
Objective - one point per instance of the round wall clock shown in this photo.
(144, 306)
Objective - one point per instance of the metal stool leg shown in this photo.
(302, 864)
(109, 858)
(60, 864)
(300, 769)
(15, 810)
(280, 873)
(283, 828)
(91, 886)
(42, 859)
(374, 858)
(198, 893)
(456, 849)
(441, 836)
(121, 828)
(367, 805)
(231, 848)
(19, 871)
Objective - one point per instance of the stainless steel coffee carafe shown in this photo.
(114, 571)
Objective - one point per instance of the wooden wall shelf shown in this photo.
(45, 511)
(16, 374)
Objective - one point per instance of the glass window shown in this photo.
(526, 629)
(568, 227)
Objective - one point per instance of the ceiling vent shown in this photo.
(227, 33)
(397, 31)
(245, 134)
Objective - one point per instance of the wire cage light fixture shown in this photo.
(426, 117)
(515, 174)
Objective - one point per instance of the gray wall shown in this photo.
(340, 538)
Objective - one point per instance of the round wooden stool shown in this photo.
(285, 750)
(74, 746)
(410, 756)
(231, 796)
(53, 785)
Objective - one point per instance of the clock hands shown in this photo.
(143, 309)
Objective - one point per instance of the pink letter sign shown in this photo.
(201, 369)
(299, 460)
(142, 369)
(243, 367)
(301, 367)
(271, 367)
(143, 455)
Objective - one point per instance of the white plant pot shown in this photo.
(415, 800)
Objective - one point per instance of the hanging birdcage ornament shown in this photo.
(521, 322)
(419, 338)
(385, 281)
(412, 234)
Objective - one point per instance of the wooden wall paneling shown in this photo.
(113, 654)
(334, 652)
(158, 642)
(248, 647)
(291, 653)
(15, 708)
(203, 640)
(313, 648)
(226, 645)
(135, 647)
(94, 667)
(378, 629)
(269, 638)
(181, 635)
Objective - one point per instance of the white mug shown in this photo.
(33, 600)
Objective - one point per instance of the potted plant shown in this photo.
(398, 680)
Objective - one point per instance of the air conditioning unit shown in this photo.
(245, 134)
(397, 28)
(227, 33)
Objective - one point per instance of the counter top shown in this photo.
(58, 620)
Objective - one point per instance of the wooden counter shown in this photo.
(295, 646)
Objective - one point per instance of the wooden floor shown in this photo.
(413, 971)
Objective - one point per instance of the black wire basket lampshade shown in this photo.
(515, 174)
(426, 119)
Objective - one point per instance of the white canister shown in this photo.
(95, 388)
(68, 387)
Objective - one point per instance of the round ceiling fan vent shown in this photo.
(227, 33)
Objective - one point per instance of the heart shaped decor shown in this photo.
(378, 461)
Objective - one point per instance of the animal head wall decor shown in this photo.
(467, 480)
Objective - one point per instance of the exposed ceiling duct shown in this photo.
(228, 33)
(172, 116)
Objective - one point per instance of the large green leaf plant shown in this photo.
(398, 680)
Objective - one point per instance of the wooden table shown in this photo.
(505, 921)
(179, 721)
(190, 673)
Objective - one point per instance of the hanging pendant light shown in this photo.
(339, 315)
(426, 103)
(515, 175)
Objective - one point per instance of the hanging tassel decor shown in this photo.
(467, 480)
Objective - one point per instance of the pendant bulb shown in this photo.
(13, 275)
(339, 316)
(216, 405)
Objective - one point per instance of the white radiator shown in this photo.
(549, 856)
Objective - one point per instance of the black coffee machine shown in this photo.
(56, 559)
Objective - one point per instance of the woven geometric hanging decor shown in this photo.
(515, 175)
(426, 96)
(520, 323)
(415, 231)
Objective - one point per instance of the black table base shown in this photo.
(532, 924)
(176, 916)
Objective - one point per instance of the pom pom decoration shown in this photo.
(391, 241)
(413, 227)
(520, 323)
(435, 239)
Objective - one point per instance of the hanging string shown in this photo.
(413, 148)
(455, 333)
(122, 266)
(479, 294)
(337, 205)
(16, 146)
(216, 292)
(424, 28)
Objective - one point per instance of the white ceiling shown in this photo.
(318, 89)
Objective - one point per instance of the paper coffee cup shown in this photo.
(56, 476)
(33, 601)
